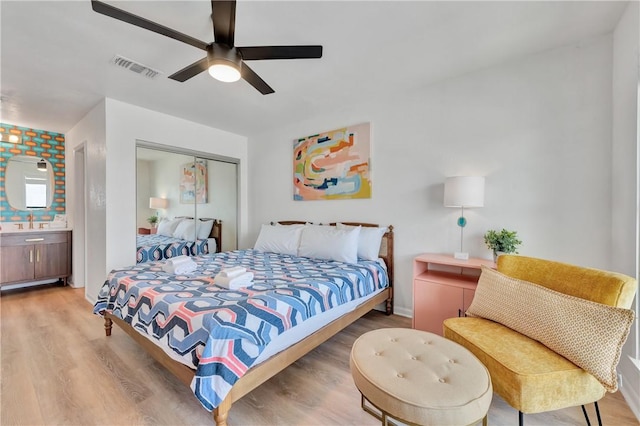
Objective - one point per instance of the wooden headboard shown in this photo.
(386, 247)
(216, 233)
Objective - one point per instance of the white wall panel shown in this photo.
(624, 194)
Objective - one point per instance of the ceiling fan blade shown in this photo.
(121, 15)
(224, 21)
(256, 53)
(254, 79)
(191, 70)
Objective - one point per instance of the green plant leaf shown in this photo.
(502, 241)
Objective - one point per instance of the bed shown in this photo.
(222, 343)
(165, 245)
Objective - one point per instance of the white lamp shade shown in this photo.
(158, 203)
(464, 191)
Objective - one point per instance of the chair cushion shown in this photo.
(529, 376)
(588, 334)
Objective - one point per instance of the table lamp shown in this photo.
(463, 191)
(158, 203)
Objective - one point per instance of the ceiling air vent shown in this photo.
(138, 68)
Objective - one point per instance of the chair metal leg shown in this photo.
(598, 413)
(584, 411)
(586, 416)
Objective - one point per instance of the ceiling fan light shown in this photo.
(224, 72)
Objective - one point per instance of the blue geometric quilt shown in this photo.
(218, 332)
(155, 247)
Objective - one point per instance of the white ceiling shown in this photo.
(55, 54)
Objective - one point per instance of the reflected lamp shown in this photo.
(157, 203)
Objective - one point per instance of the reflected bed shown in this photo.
(156, 247)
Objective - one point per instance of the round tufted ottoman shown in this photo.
(420, 378)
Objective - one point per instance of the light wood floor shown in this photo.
(59, 368)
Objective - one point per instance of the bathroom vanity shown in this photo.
(35, 255)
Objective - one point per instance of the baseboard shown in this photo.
(90, 299)
(403, 312)
(631, 396)
(28, 284)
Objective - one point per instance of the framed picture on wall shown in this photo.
(193, 182)
(333, 165)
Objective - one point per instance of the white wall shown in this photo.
(90, 131)
(624, 195)
(111, 131)
(539, 129)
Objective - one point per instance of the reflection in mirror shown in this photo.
(182, 192)
(222, 199)
(29, 182)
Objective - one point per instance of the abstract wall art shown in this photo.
(193, 182)
(333, 165)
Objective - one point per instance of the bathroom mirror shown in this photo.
(29, 182)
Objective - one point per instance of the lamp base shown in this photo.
(461, 256)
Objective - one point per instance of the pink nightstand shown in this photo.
(443, 287)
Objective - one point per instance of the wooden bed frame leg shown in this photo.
(389, 307)
(107, 326)
(220, 414)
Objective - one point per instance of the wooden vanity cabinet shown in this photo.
(34, 256)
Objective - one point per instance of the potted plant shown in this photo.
(501, 242)
(153, 221)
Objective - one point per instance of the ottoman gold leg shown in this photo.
(382, 416)
(364, 406)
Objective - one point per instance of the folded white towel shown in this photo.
(185, 268)
(179, 265)
(232, 272)
(234, 283)
(175, 261)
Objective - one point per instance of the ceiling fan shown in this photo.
(224, 60)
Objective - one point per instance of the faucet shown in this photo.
(31, 220)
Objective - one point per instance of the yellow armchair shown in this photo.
(527, 374)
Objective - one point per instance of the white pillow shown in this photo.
(204, 229)
(329, 242)
(369, 240)
(186, 230)
(167, 227)
(279, 239)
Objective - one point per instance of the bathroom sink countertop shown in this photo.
(11, 230)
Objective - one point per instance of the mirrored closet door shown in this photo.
(179, 195)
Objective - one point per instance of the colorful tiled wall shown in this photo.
(38, 143)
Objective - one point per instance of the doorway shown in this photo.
(79, 257)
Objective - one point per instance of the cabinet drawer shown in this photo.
(33, 238)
